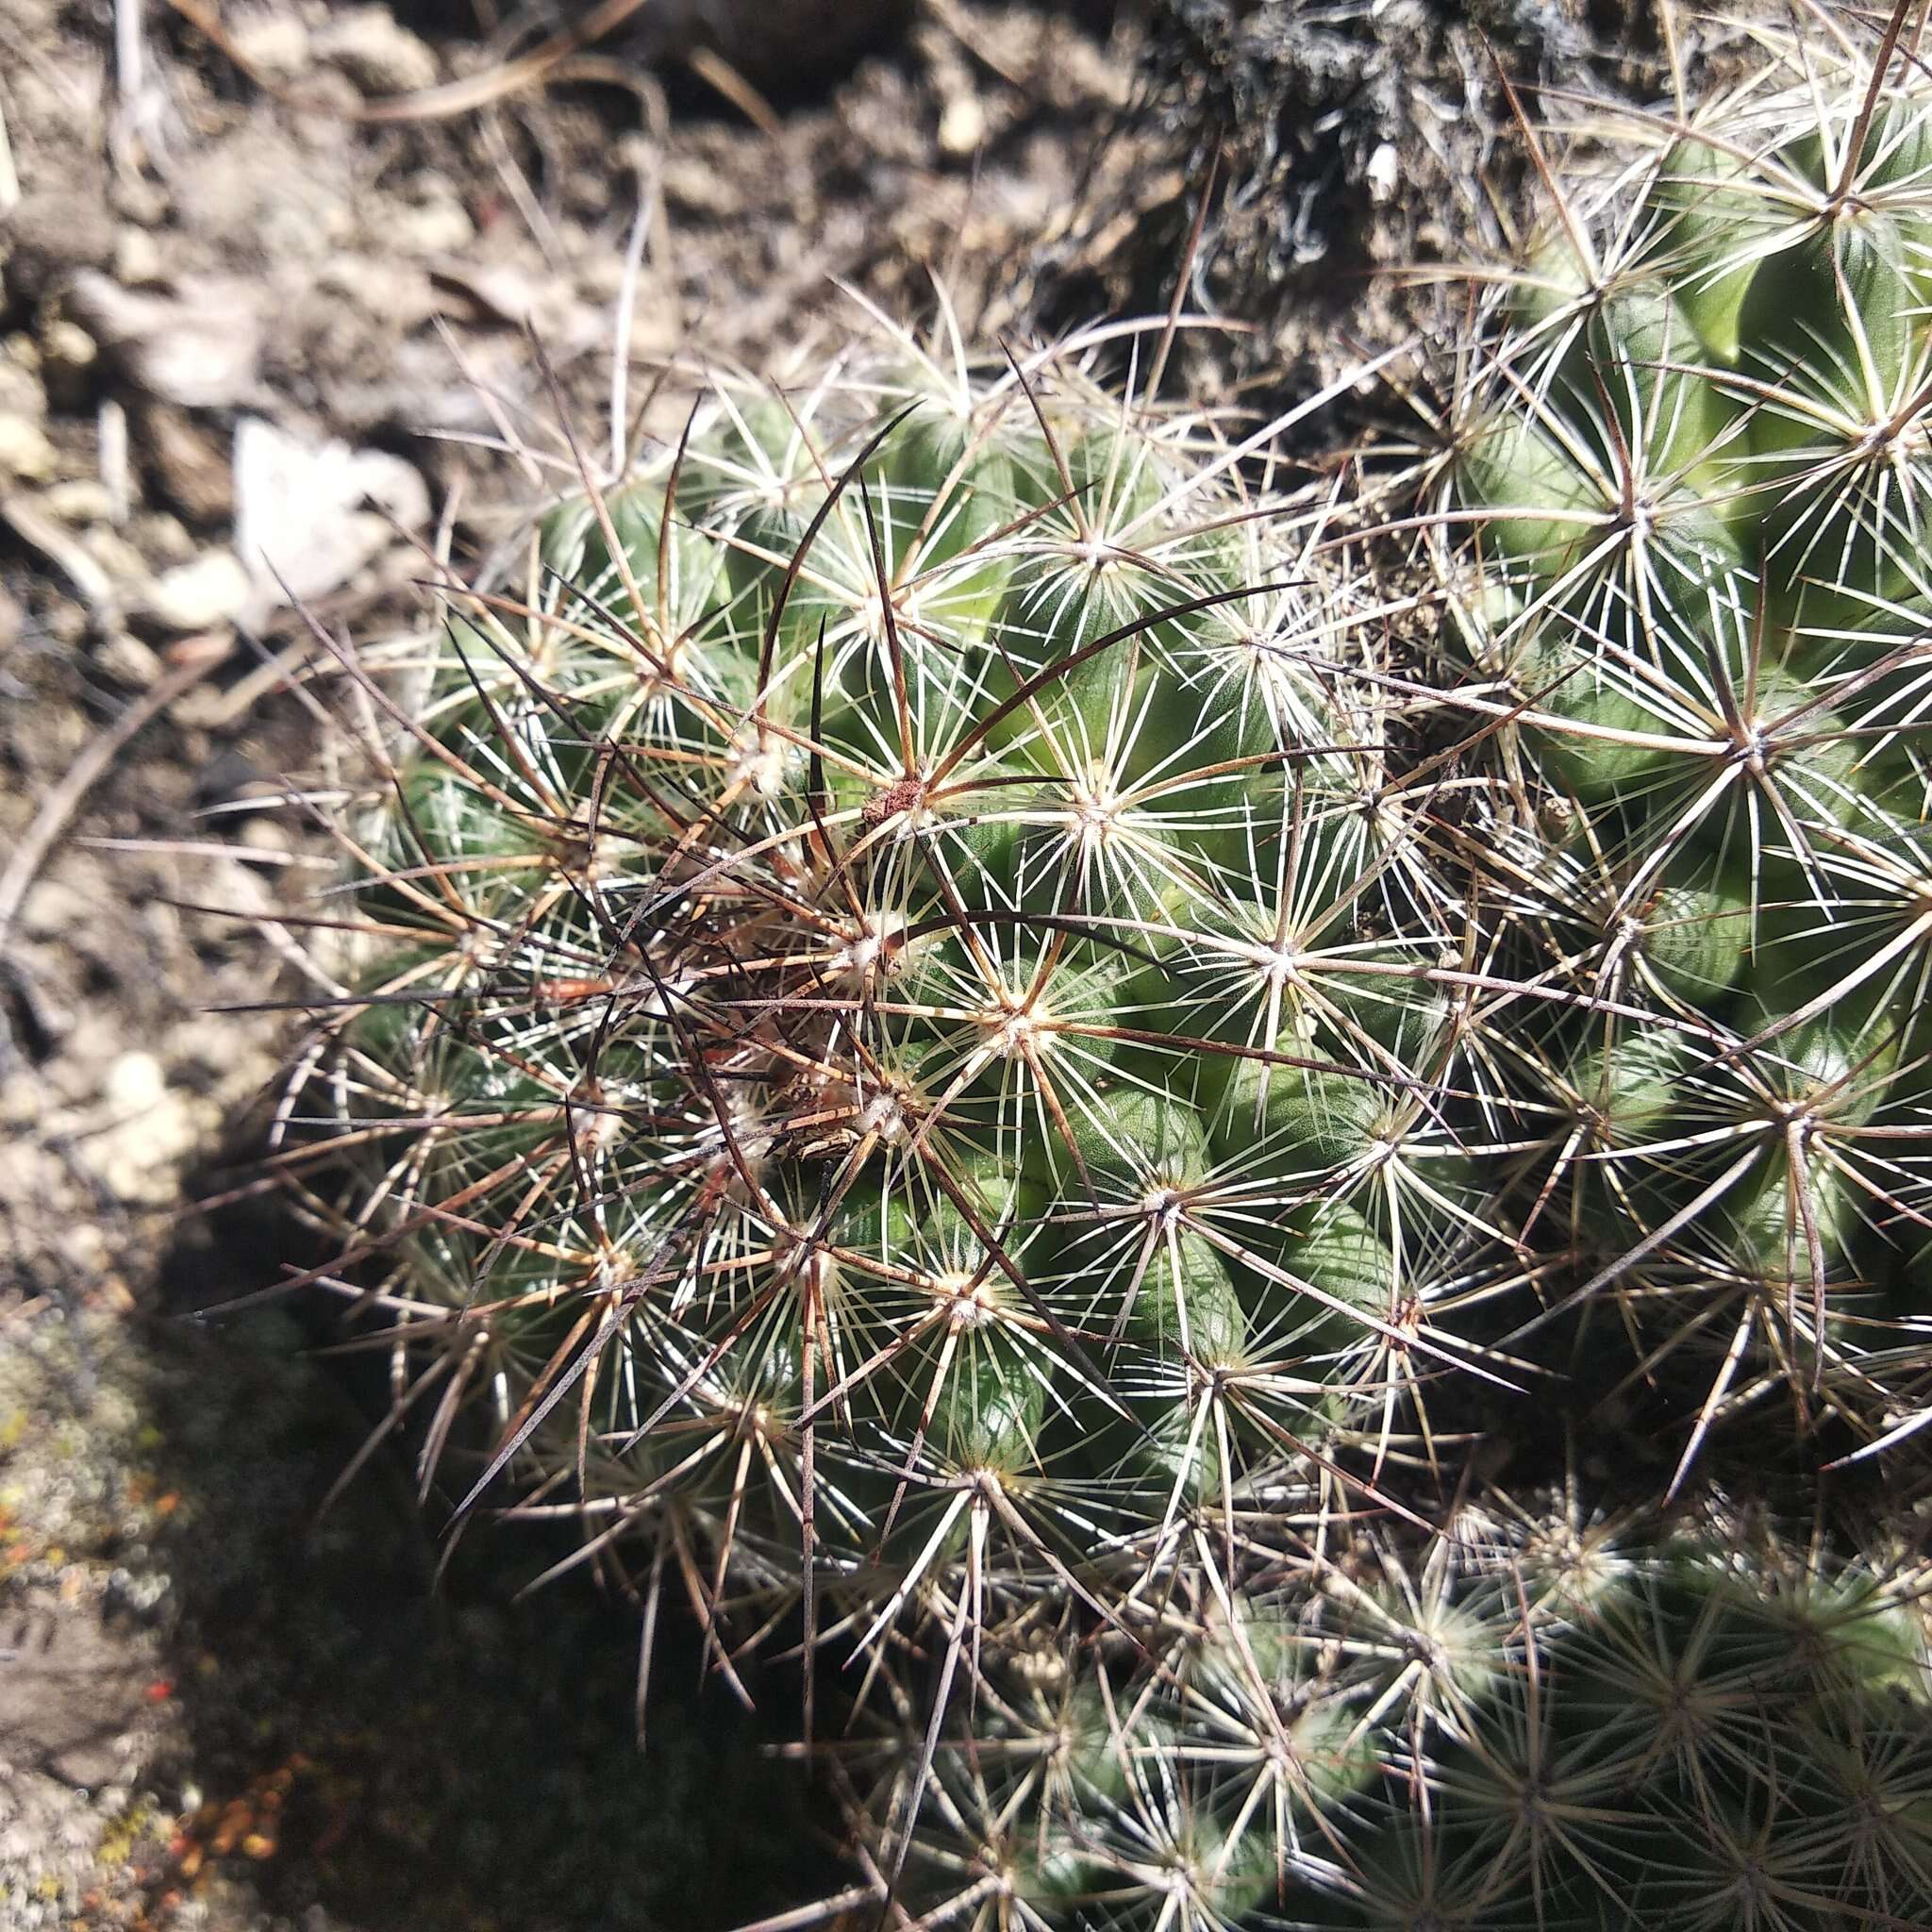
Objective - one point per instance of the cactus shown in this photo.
(1674, 537)
(987, 1036)
(1679, 543)
(886, 1040)
(1566, 1727)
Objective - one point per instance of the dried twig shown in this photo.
(722, 78)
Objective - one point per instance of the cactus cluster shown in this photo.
(998, 1037)
(886, 1019)
(1539, 1723)
(1681, 546)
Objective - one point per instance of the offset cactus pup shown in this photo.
(1541, 1719)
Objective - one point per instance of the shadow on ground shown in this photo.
(445, 1756)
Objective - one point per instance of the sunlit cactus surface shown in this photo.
(895, 1034)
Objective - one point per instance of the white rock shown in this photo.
(82, 500)
(200, 347)
(438, 228)
(137, 257)
(150, 1128)
(68, 346)
(135, 1083)
(963, 124)
(1384, 170)
(123, 656)
(213, 590)
(378, 55)
(301, 524)
(24, 452)
(123, 562)
(276, 44)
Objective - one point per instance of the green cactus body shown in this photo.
(1657, 1110)
(827, 935)
(1692, 480)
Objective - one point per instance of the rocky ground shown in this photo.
(277, 279)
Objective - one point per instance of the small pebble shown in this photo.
(135, 1082)
(263, 833)
(189, 462)
(26, 455)
(68, 345)
(275, 44)
(121, 560)
(129, 661)
(80, 501)
(213, 590)
(438, 228)
(963, 124)
(136, 257)
(163, 538)
(1382, 172)
(68, 354)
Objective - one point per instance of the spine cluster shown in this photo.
(1681, 529)
(894, 1024)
